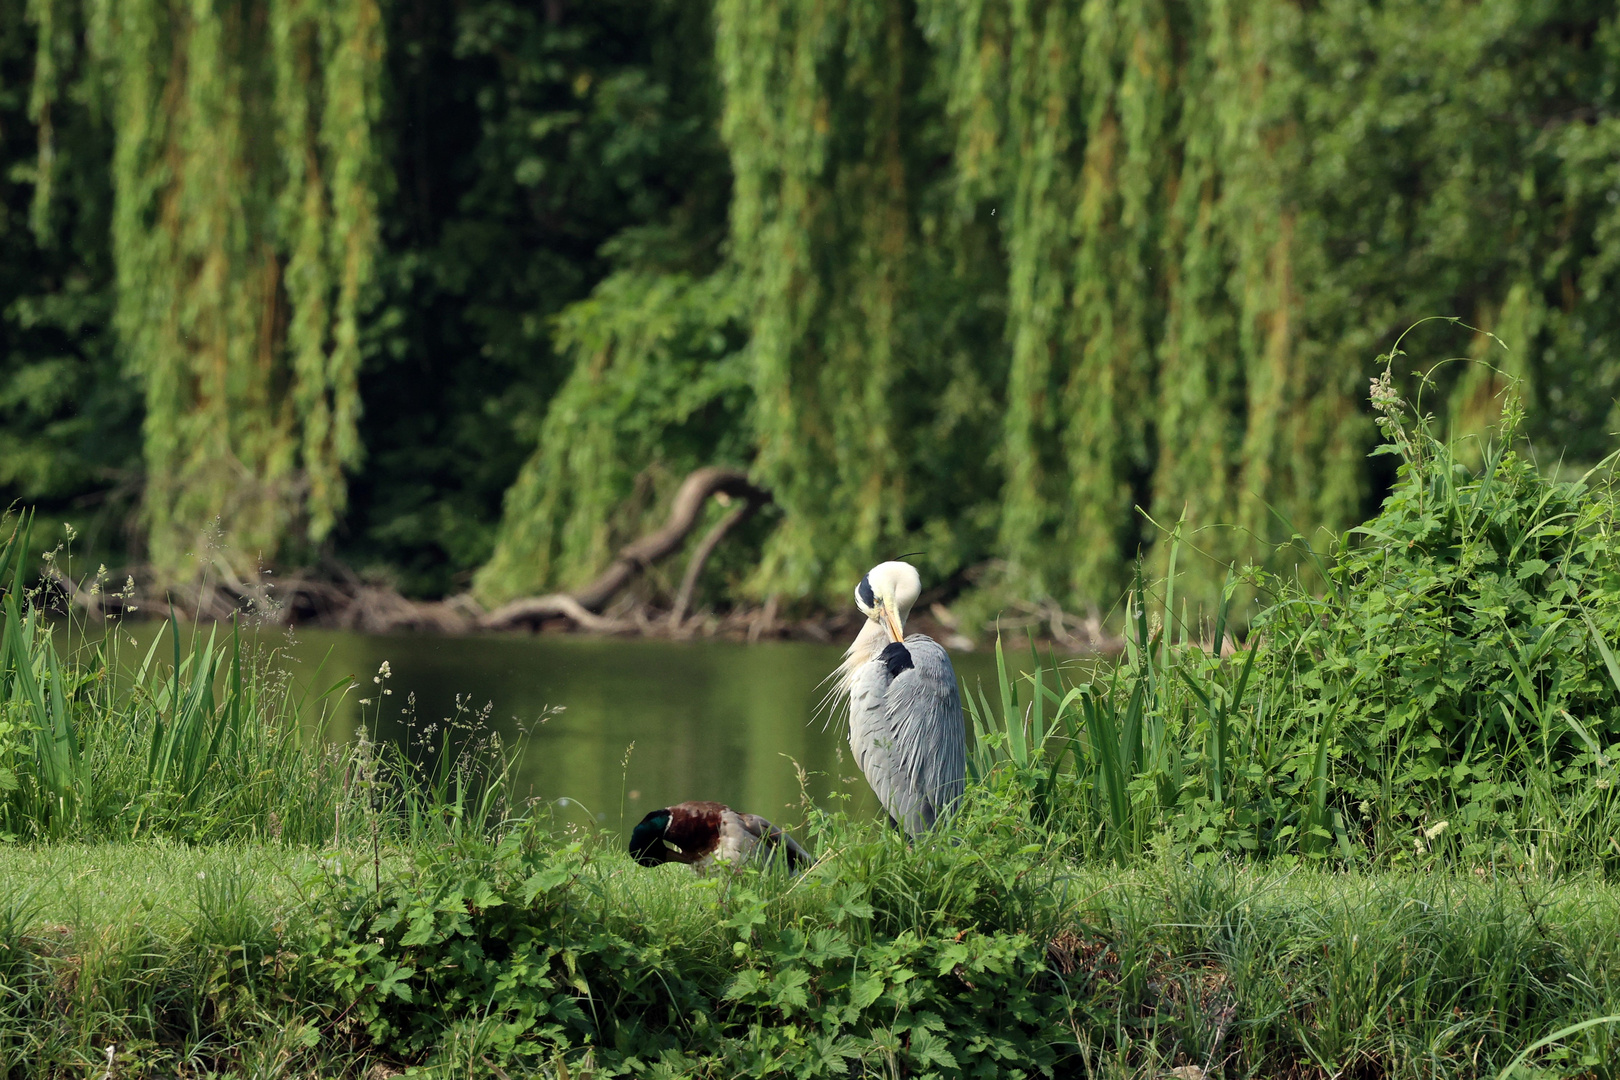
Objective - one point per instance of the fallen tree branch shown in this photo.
(634, 558)
(694, 568)
(554, 605)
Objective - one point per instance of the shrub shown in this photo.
(1439, 683)
(918, 958)
(1454, 670)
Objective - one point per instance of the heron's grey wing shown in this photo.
(905, 727)
(932, 695)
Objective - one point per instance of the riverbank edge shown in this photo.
(342, 601)
(142, 957)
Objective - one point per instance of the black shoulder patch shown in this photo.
(896, 657)
(864, 592)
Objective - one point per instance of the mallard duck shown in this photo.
(702, 833)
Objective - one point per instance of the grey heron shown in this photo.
(703, 833)
(905, 712)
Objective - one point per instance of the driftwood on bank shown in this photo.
(334, 596)
(700, 558)
(584, 606)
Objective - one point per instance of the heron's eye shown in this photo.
(863, 593)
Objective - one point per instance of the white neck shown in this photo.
(867, 644)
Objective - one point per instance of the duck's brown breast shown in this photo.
(694, 827)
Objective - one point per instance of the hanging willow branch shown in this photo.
(243, 234)
(815, 121)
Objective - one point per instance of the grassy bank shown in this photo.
(1376, 839)
(260, 961)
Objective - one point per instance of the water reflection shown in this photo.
(707, 720)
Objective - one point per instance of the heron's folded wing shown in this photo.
(928, 693)
(877, 740)
(906, 730)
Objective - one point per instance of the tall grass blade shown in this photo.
(1603, 650)
(1010, 714)
(1221, 613)
(15, 546)
(1561, 1033)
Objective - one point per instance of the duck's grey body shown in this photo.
(741, 835)
(704, 834)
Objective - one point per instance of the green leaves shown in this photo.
(848, 903)
(35, 710)
(807, 988)
(1461, 654)
(1449, 661)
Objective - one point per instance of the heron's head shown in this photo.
(647, 838)
(886, 594)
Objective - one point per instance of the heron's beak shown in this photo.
(890, 622)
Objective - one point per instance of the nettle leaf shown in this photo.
(393, 983)
(787, 989)
(952, 955)
(420, 932)
(850, 903)
(865, 990)
(748, 911)
(928, 1049)
(544, 881)
(745, 985)
(825, 945)
(833, 1053)
(481, 895)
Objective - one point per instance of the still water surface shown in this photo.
(706, 720)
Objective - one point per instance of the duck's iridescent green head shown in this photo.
(647, 839)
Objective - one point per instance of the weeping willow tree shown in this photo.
(243, 233)
(1013, 283)
(658, 360)
(846, 349)
(1034, 280)
(1155, 355)
(821, 221)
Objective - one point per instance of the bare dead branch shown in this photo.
(555, 605)
(700, 557)
(634, 558)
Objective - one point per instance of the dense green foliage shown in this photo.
(69, 415)
(923, 959)
(1441, 684)
(1459, 663)
(242, 232)
(204, 740)
(1376, 839)
(455, 288)
(536, 150)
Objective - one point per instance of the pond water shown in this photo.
(643, 724)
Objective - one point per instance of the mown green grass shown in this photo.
(208, 961)
(166, 882)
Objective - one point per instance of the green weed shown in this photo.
(1439, 687)
(207, 741)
